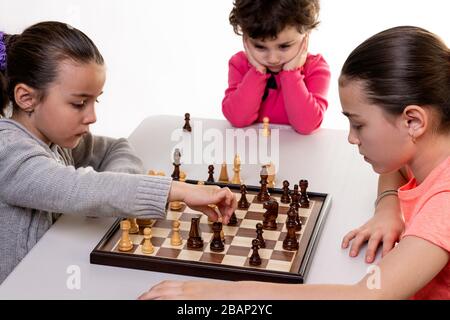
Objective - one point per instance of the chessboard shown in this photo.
(277, 264)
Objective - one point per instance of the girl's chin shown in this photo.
(275, 70)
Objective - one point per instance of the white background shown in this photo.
(171, 57)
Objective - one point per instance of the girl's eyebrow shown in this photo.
(85, 95)
(287, 43)
(350, 115)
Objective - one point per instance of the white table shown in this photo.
(325, 158)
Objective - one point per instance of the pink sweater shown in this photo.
(299, 100)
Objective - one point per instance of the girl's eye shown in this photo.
(356, 127)
(259, 47)
(80, 104)
(285, 47)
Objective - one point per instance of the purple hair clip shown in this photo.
(2, 52)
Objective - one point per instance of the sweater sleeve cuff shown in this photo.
(152, 195)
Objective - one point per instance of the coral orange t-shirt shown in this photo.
(426, 210)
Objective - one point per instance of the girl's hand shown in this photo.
(385, 226)
(248, 51)
(208, 290)
(199, 197)
(299, 60)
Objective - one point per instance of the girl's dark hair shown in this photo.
(33, 57)
(265, 19)
(403, 66)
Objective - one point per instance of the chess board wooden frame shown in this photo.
(104, 256)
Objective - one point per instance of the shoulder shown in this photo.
(432, 221)
(16, 142)
(239, 61)
(316, 62)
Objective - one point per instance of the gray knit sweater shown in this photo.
(38, 183)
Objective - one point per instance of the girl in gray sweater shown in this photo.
(50, 78)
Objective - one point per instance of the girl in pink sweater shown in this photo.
(276, 77)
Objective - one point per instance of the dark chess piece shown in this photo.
(255, 259)
(210, 173)
(243, 202)
(216, 244)
(290, 243)
(271, 215)
(195, 241)
(263, 194)
(285, 198)
(298, 223)
(296, 197)
(187, 125)
(176, 163)
(233, 220)
(304, 199)
(259, 232)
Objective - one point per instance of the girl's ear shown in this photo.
(416, 120)
(26, 97)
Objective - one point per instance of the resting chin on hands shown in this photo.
(198, 197)
(299, 60)
(251, 58)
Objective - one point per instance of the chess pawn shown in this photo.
(236, 169)
(224, 173)
(210, 173)
(125, 243)
(266, 129)
(176, 205)
(243, 202)
(259, 232)
(143, 223)
(255, 259)
(216, 244)
(290, 243)
(233, 220)
(147, 247)
(134, 227)
(285, 198)
(187, 125)
(176, 240)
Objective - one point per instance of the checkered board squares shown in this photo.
(233, 262)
